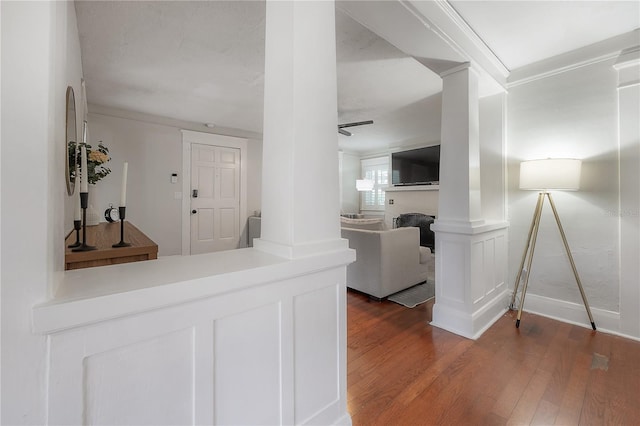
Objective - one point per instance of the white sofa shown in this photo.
(387, 261)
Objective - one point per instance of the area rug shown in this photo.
(416, 295)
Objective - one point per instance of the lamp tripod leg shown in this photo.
(526, 249)
(573, 265)
(532, 243)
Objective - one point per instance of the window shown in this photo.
(376, 170)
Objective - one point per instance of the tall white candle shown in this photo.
(123, 192)
(77, 214)
(84, 176)
(84, 100)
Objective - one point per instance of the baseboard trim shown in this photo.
(574, 313)
(472, 325)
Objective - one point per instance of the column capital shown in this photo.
(458, 68)
(628, 66)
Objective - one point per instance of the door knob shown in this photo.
(194, 211)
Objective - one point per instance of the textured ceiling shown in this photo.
(194, 61)
(202, 61)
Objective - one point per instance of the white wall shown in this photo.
(40, 57)
(349, 173)
(410, 201)
(154, 151)
(572, 114)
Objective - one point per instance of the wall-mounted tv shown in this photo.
(416, 167)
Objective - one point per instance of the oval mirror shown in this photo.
(71, 139)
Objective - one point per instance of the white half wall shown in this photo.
(154, 151)
(201, 350)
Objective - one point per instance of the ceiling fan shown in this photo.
(355, 123)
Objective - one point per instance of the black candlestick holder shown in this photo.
(77, 225)
(84, 203)
(121, 210)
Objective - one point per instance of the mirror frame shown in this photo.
(71, 139)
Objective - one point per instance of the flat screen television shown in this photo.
(416, 167)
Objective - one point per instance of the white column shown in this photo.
(628, 67)
(471, 292)
(460, 152)
(300, 196)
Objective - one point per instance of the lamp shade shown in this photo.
(364, 184)
(561, 174)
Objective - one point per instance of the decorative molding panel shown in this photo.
(453, 274)
(132, 384)
(247, 367)
(315, 352)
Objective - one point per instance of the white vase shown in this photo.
(93, 218)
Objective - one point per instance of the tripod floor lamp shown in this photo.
(559, 174)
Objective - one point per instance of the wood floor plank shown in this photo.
(527, 405)
(401, 371)
(573, 397)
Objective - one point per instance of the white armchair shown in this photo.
(386, 261)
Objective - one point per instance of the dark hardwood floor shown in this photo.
(402, 371)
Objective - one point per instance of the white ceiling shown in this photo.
(203, 61)
(524, 32)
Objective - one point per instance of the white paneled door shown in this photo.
(215, 198)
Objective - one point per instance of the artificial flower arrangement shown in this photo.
(96, 159)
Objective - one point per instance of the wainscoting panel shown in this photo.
(499, 267)
(490, 265)
(132, 384)
(453, 278)
(316, 350)
(247, 367)
(478, 267)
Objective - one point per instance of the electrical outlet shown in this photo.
(390, 201)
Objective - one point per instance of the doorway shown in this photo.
(214, 192)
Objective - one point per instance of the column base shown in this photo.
(471, 271)
(468, 325)
(300, 250)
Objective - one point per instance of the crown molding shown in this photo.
(458, 68)
(628, 58)
(444, 21)
(606, 50)
(471, 43)
(628, 67)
